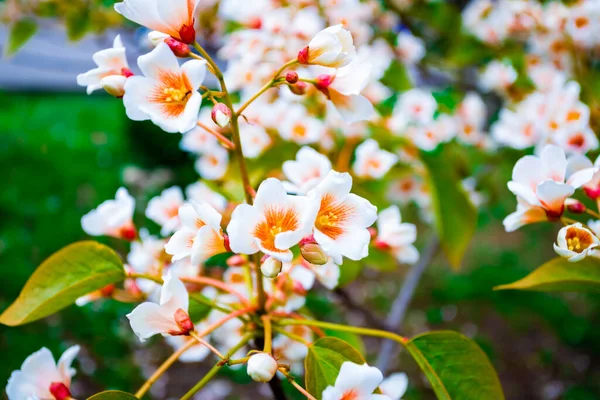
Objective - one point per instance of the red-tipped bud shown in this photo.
(592, 193)
(312, 252)
(107, 291)
(303, 56)
(221, 115)
(60, 391)
(236, 261)
(226, 243)
(554, 215)
(575, 206)
(183, 322)
(323, 81)
(128, 233)
(178, 48)
(126, 72)
(254, 23)
(291, 77)
(381, 245)
(299, 88)
(187, 34)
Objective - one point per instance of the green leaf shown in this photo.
(324, 361)
(455, 215)
(20, 32)
(68, 274)
(455, 366)
(112, 395)
(352, 339)
(77, 22)
(199, 307)
(396, 77)
(349, 271)
(560, 275)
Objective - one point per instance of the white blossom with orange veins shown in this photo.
(112, 71)
(172, 17)
(332, 47)
(168, 317)
(164, 209)
(371, 161)
(200, 235)
(574, 242)
(342, 219)
(306, 171)
(167, 94)
(275, 223)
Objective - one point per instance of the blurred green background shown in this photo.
(61, 155)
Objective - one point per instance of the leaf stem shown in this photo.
(268, 333)
(228, 144)
(213, 371)
(291, 380)
(163, 368)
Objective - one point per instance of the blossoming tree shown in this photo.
(308, 76)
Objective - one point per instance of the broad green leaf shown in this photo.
(112, 395)
(455, 366)
(349, 271)
(455, 215)
(199, 307)
(68, 274)
(352, 339)
(396, 77)
(323, 362)
(77, 22)
(560, 275)
(20, 32)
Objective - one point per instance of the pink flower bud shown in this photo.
(575, 206)
(303, 56)
(128, 233)
(183, 322)
(226, 243)
(592, 193)
(178, 48)
(381, 245)
(126, 72)
(221, 115)
(262, 367)
(299, 88)
(291, 77)
(323, 81)
(187, 34)
(60, 391)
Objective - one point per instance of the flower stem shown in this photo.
(228, 144)
(268, 333)
(213, 371)
(266, 87)
(163, 368)
(228, 317)
(344, 328)
(291, 380)
(205, 343)
(292, 336)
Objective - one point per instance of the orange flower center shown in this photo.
(332, 217)
(276, 220)
(349, 395)
(578, 239)
(173, 93)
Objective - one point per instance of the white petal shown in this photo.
(553, 194)
(243, 220)
(174, 293)
(159, 61)
(555, 163)
(64, 364)
(146, 320)
(362, 378)
(145, 13)
(195, 70)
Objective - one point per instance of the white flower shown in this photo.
(172, 17)
(429, 136)
(574, 242)
(394, 386)
(299, 127)
(355, 381)
(415, 106)
(540, 187)
(342, 218)
(169, 317)
(309, 168)
(262, 367)
(397, 236)
(112, 71)
(371, 161)
(40, 377)
(164, 209)
(198, 140)
(112, 217)
(327, 274)
(201, 193)
(332, 47)
(498, 76)
(167, 94)
(213, 164)
(255, 140)
(343, 89)
(200, 236)
(276, 222)
(410, 48)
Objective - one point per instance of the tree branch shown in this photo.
(393, 322)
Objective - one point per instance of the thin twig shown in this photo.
(395, 318)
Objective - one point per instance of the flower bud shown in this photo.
(303, 56)
(271, 267)
(312, 252)
(299, 88)
(332, 47)
(575, 206)
(60, 391)
(114, 85)
(157, 37)
(291, 77)
(323, 81)
(183, 322)
(187, 34)
(221, 115)
(262, 367)
(592, 193)
(178, 48)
